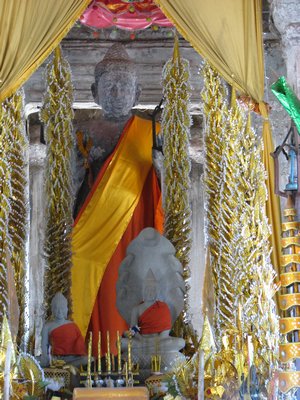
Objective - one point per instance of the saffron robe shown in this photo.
(125, 199)
(67, 340)
(155, 319)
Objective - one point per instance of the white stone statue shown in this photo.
(61, 338)
(150, 294)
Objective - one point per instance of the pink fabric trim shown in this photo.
(97, 15)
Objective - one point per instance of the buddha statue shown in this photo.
(63, 336)
(116, 90)
(150, 293)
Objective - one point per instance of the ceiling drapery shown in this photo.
(132, 15)
(29, 31)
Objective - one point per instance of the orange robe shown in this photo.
(67, 340)
(155, 319)
(100, 239)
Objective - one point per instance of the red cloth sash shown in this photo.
(155, 319)
(67, 340)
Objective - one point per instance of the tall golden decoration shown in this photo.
(176, 122)
(238, 231)
(18, 217)
(57, 115)
(220, 200)
(5, 197)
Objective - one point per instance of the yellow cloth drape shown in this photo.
(29, 31)
(106, 216)
(273, 203)
(228, 34)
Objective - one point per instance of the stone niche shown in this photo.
(84, 47)
(37, 215)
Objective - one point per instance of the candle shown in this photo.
(119, 352)
(99, 353)
(108, 353)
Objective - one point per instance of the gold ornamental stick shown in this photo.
(89, 376)
(99, 353)
(129, 354)
(126, 373)
(119, 352)
(108, 353)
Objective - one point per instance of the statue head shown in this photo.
(115, 88)
(150, 289)
(59, 306)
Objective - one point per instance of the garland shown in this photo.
(57, 115)
(238, 231)
(18, 217)
(176, 122)
(5, 196)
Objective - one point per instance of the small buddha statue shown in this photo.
(116, 90)
(151, 321)
(150, 292)
(61, 338)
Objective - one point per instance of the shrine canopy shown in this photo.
(130, 15)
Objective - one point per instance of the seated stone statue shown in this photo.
(116, 91)
(63, 336)
(150, 291)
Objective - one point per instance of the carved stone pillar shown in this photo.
(286, 16)
(37, 154)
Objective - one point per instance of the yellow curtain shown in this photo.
(29, 31)
(273, 203)
(228, 34)
(107, 215)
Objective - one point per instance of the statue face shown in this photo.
(59, 309)
(116, 92)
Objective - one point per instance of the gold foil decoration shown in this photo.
(288, 380)
(5, 199)
(287, 259)
(18, 216)
(289, 324)
(238, 239)
(288, 278)
(288, 300)
(291, 225)
(289, 241)
(176, 122)
(289, 351)
(288, 212)
(57, 115)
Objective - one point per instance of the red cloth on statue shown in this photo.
(67, 340)
(155, 319)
